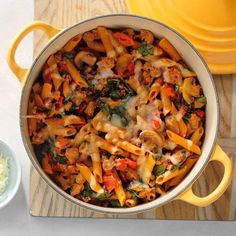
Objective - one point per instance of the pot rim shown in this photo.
(109, 210)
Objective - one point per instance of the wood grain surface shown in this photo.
(44, 201)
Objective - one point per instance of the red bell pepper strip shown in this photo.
(124, 39)
(110, 181)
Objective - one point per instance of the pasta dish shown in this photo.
(116, 117)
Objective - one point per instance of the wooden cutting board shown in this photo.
(44, 201)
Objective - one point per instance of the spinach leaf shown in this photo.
(68, 55)
(128, 89)
(105, 107)
(121, 111)
(158, 155)
(174, 168)
(114, 94)
(69, 97)
(187, 117)
(59, 159)
(88, 192)
(70, 111)
(134, 195)
(114, 203)
(201, 99)
(40, 150)
(177, 87)
(145, 49)
(159, 170)
(113, 83)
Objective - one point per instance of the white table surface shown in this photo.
(15, 218)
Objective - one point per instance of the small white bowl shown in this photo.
(14, 176)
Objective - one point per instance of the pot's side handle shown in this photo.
(190, 197)
(37, 25)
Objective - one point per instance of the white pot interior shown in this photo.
(190, 56)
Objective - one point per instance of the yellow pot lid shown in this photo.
(209, 25)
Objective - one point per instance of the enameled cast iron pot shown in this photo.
(210, 150)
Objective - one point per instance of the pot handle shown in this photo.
(190, 197)
(37, 25)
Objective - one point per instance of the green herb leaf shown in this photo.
(158, 156)
(187, 117)
(69, 97)
(174, 168)
(61, 160)
(114, 203)
(72, 109)
(68, 55)
(176, 88)
(134, 195)
(159, 170)
(122, 112)
(51, 147)
(105, 107)
(114, 94)
(88, 192)
(113, 83)
(145, 49)
(201, 99)
(128, 89)
(105, 194)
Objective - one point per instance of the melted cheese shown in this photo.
(106, 73)
(92, 182)
(189, 144)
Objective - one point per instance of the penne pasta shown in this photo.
(96, 46)
(154, 90)
(197, 135)
(150, 163)
(169, 48)
(130, 203)
(87, 174)
(46, 91)
(76, 75)
(120, 193)
(56, 77)
(80, 136)
(104, 35)
(166, 102)
(106, 127)
(186, 143)
(188, 164)
(73, 120)
(72, 43)
(170, 175)
(96, 160)
(103, 144)
(182, 125)
(120, 49)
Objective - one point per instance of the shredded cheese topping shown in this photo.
(4, 172)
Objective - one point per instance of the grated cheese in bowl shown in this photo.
(4, 172)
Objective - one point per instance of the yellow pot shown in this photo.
(210, 150)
